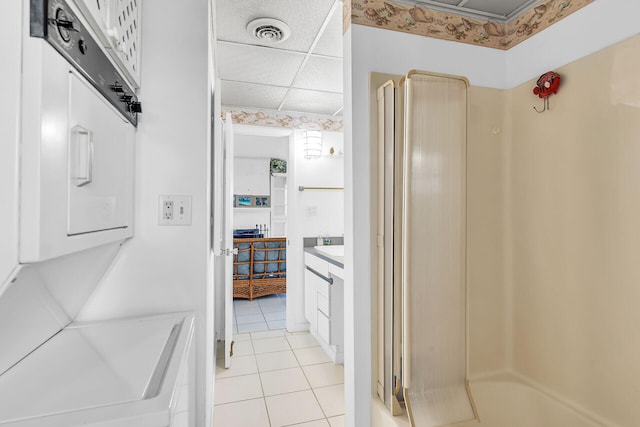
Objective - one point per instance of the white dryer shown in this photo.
(78, 125)
(78, 138)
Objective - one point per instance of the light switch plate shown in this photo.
(174, 210)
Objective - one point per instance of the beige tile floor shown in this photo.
(261, 314)
(278, 379)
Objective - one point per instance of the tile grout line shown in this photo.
(319, 405)
(238, 401)
(312, 391)
(285, 334)
(305, 422)
(292, 392)
(264, 398)
(290, 348)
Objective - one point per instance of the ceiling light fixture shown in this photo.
(312, 144)
(269, 30)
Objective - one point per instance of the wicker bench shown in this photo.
(259, 267)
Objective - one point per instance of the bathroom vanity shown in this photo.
(324, 297)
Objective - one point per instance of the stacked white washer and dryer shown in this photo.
(74, 179)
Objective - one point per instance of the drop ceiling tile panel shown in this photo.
(502, 9)
(304, 18)
(330, 42)
(321, 73)
(498, 7)
(309, 101)
(444, 3)
(254, 64)
(250, 95)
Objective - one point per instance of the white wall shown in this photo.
(164, 269)
(393, 52)
(276, 147)
(590, 29)
(320, 212)
(251, 175)
(368, 49)
(310, 213)
(357, 253)
(251, 170)
(250, 217)
(10, 45)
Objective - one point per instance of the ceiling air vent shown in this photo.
(268, 30)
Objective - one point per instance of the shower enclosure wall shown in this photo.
(552, 247)
(422, 249)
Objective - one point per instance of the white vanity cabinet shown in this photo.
(311, 299)
(324, 304)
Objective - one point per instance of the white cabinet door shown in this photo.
(311, 299)
(324, 327)
(324, 305)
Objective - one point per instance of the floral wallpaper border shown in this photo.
(421, 20)
(285, 120)
(346, 15)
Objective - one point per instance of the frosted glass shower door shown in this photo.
(389, 384)
(434, 250)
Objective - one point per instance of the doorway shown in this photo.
(280, 374)
(260, 230)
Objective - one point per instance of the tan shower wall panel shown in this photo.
(375, 81)
(487, 135)
(575, 205)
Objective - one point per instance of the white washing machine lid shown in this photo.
(89, 366)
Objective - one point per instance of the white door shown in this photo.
(223, 226)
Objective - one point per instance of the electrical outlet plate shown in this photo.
(174, 210)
